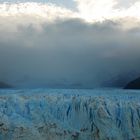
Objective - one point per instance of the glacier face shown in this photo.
(46, 114)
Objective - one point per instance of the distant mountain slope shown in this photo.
(135, 84)
(4, 85)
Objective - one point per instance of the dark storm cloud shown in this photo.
(70, 53)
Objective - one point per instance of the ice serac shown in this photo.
(69, 115)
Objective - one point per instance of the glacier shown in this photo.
(69, 114)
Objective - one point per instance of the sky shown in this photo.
(69, 44)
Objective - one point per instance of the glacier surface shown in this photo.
(60, 114)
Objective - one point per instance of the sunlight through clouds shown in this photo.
(99, 10)
(88, 10)
(95, 9)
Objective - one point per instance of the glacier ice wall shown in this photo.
(69, 115)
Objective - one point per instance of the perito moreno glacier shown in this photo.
(60, 114)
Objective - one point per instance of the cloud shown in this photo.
(88, 10)
(70, 53)
(93, 10)
(43, 45)
(38, 12)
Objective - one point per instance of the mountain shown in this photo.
(5, 85)
(135, 84)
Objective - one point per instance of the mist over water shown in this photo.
(69, 54)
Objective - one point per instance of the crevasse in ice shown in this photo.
(69, 115)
